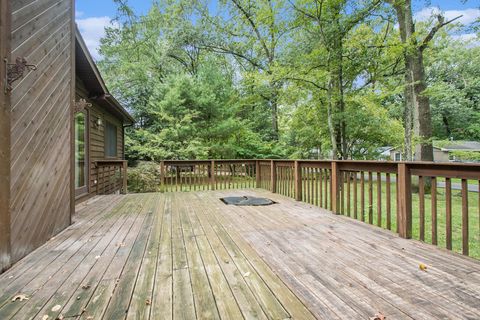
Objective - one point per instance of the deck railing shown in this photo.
(111, 176)
(207, 175)
(437, 203)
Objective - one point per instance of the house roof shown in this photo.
(87, 71)
(461, 146)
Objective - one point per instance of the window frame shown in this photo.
(81, 191)
(106, 143)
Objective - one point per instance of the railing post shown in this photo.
(258, 177)
(273, 176)
(212, 175)
(404, 189)
(162, 176)
(125, 180)
(298, 181)
(335, 188)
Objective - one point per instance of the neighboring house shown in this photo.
(442, 151)
(44, 153)
(453, 149)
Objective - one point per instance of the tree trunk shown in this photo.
(417, 105)
(336, 96)
(273, 103)
(274, 109)
(423, 130)
(331, 129)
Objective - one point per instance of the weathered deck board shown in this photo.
(188, 255)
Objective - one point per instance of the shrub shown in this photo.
(144, 177)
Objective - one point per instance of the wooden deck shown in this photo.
(188, 255)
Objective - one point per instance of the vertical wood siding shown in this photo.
(41, 123)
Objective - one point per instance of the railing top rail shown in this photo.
(171, 162)
(109, 161)
(343, 163)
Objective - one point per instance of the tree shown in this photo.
(251, 32)
(452, 69)
(330, 26)
(182, 95)
(418, 119)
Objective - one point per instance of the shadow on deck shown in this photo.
(188, 255)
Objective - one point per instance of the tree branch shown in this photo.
(253, 25)
(440, 24)
(306, 81)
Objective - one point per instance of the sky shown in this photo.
(93, 16)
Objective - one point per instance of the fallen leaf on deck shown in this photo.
(148, 302)
(378, 316)
(56, 308)
(86, 286)
(20, 297)
(246, 274)
(422, 267)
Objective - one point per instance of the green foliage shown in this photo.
(279, 79)
(144, 177)
(454, 68)
(466, 155)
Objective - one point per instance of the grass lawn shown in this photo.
(473, 208)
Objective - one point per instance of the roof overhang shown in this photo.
(87, 71)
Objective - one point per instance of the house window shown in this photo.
(398, 156)
(81, 165)
(110, 140)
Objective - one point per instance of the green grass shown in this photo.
(473, 206)
(311, 195)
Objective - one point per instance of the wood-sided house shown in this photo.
(100, 123)
(61, 132)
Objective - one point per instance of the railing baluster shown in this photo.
(421, 206)
(342, 191)
(370, 197)
(308, 184)
(465, 248)
(348, 193)
(320, 187)
(397, 203)
(448, 213)
(379, 199)
(312, 185)
(362, 195)
(389, 201)
(434, 210)
(355, 213)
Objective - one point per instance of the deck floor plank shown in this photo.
(186, 255)
(103, 289)
(48, 303)
(141, 302)
(162, 306)
(52, 275)
(183, 302)
(83, 293)
(27, 268)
